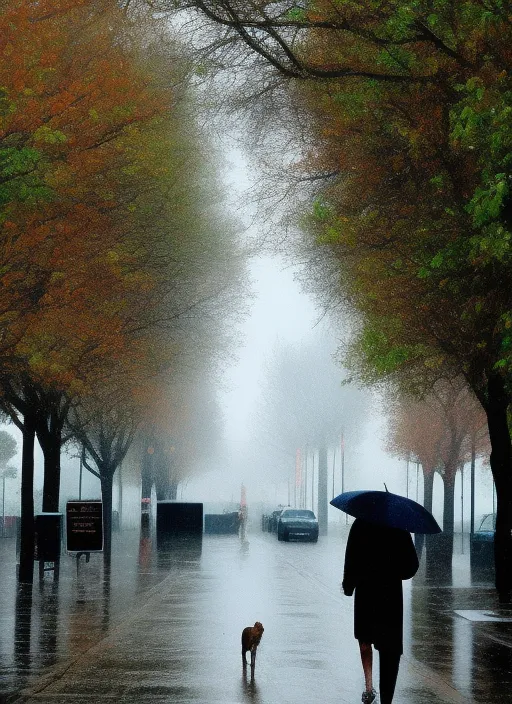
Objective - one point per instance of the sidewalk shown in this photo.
(463, 634)
(166, 628)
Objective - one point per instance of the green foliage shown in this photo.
(49, 136)
(21, 177)
(398, 59)
(296, 14)
(18, 162)
(482, 121)
(400, 23)
(378, 353)
(6, 105)
(321, 210)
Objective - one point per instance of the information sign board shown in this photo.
(84, 526)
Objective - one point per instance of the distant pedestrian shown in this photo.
(377, 559)
(242, 522)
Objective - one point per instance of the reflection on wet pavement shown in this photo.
(165, 626)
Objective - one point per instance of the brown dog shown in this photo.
(251, 637)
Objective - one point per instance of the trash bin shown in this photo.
(48, 528)
(221, 523)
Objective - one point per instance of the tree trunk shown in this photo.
(120, 496)
(166, 489)
(501, 466)
(440, 545)
(449, 503)
(322, 490)
(146, 476)
(428, 488)
(428, 493)
(107, 483)
(51, 486)
(173, 490)
(161, 490)
(26, 572)
(473, 464)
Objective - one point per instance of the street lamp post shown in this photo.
(462, 505)
(313, 485)
(343, 468)
(333, 469)
(304, 487)
(3, 505)
(8, 472)
(80, 475)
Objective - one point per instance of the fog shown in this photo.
(281, 315)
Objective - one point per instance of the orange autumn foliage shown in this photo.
(72, 99)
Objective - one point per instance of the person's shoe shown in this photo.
(368, 696)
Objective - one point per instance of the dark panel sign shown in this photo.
(174, 517)
(84, 526)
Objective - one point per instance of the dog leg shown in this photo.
(253, 661)
(244, 661)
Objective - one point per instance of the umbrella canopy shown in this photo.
(387, 509)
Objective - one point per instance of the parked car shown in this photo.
(487, 524)
(297, 523)
(482, 543)
(272, 520)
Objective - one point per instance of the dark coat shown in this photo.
(377, 559)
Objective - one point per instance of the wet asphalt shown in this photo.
(165, 626)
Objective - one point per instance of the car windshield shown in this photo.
(488, 523)
(297, 513)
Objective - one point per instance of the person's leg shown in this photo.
(366, 651)
(389, 662)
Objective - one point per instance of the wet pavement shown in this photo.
(165, 627)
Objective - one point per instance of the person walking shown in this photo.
(377, 559)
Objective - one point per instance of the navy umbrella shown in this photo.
(387, 509)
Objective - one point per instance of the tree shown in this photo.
(439, 432)
(417, 103)
(442, 431)
(416, 432)
(420, 291)
(105, 438)
(76, 282)
(63, 170)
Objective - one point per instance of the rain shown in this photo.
(255, 331)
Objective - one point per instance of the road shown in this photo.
(166, 628)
